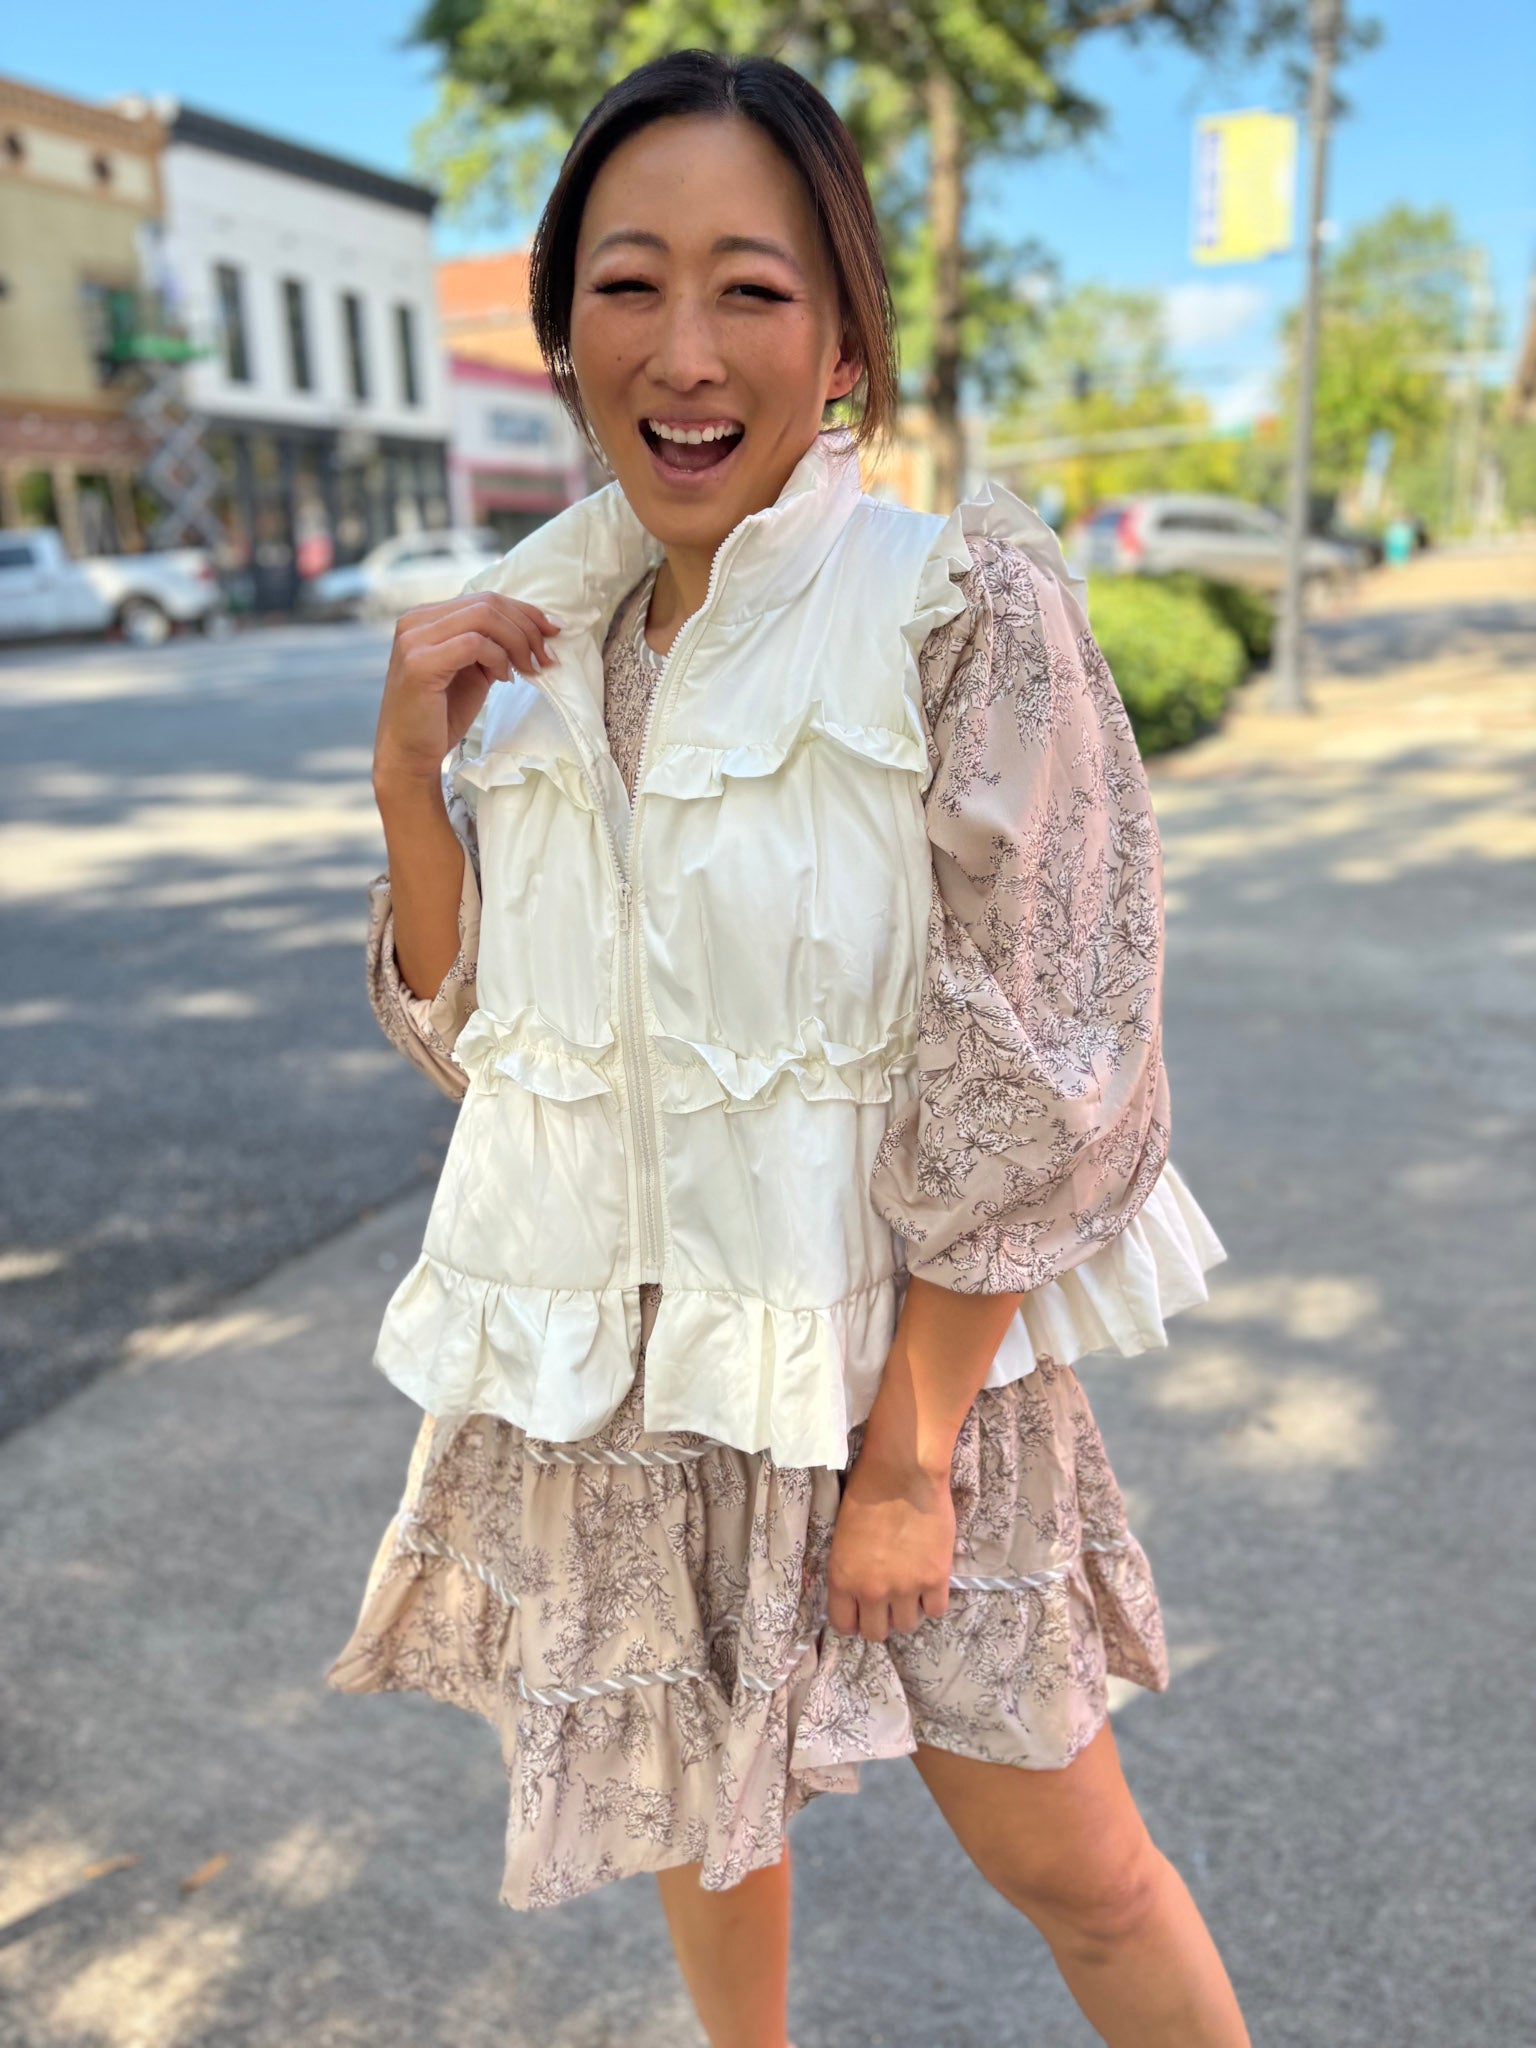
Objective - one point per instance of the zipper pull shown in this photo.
(624, 903)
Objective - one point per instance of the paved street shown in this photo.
(1330, 1467)
(194, 1088)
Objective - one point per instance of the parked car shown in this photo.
(413, 568)
(44, 591)
(1224, 538)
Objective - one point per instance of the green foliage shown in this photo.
(1514, 447)
(1249, 612)
(873, 59)
(1095, 363)
(1394, 309)
(518, 75)
(1174, 661)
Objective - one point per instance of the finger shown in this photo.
(472, 650)
(905, 1615)
(843, 1613)
(545, 621)
(874, 1620)
(512, 650)
(494, 600)
(935, 1601)
(497, 615)
(518, 636)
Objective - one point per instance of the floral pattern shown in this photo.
(1041, 1120)
(641, 1616)
(650, 1641)
(630, 669)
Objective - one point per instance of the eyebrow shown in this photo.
(725, 245)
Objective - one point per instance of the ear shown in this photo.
(846, 372)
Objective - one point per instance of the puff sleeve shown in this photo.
(1034, 1156)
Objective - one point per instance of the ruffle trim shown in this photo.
(529, 1049)
(778, 1737)
(1119, 1299)
(793, 1381)
(504, 765)
(557, 1361)
(684, 769)
(994, 513)
(699, 1075)
(691, 1074)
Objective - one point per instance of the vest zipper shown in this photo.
(633, 1045)
(634, 1039)
(666, 682)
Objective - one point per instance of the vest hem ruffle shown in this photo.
(744, 1371)
(735, 1368)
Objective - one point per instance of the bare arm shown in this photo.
(442, 665)
(894, 1540)
(426, 874)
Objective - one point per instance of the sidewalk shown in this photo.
(1330, 1469)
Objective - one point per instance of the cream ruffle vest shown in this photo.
(697, 1019)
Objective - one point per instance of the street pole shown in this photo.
(1288, 691)
(1467, 459)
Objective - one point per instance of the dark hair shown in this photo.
(808, 134)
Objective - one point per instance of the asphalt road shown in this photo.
(194, 1088)
(1330, 1467)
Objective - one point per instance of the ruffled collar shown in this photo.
(581, 563)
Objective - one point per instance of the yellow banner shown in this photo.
(1245, 187)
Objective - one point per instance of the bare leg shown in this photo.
(1071, 1851)
(733, 1950)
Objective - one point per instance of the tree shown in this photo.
(1097, 372)
(1396, 314)
(975, 79)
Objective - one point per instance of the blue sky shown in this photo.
(1442, 115)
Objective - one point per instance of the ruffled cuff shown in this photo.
(425, 1028)
(1119, 1298)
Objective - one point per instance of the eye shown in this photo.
(763, 291)
(622, 284)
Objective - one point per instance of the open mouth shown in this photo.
(688, 447)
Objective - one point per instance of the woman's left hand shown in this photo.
(893, 1548)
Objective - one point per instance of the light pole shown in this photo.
(1288, 690)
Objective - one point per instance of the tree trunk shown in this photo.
(946, 201)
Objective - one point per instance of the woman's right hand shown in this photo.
(443, 662)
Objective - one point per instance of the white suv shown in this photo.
(413, 568)
(1226, 539)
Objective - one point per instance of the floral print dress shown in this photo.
(641, 1615)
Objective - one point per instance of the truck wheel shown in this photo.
(144, 623)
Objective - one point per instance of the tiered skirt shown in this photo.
(641, 1616)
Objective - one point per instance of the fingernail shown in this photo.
(555, 620)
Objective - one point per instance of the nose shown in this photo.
(687, 351)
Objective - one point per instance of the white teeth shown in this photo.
(692, 436)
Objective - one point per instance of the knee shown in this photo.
(1093, 1906)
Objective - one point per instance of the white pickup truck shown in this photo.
(44, 591)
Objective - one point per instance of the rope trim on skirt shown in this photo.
(416, 1541)
(556, 1454)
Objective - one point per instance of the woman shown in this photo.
(793, 909)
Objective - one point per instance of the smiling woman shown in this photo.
(671, 326)
(789, 920)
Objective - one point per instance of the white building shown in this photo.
(324, 395)
(517, 457)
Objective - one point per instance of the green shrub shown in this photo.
(1174, 661)
(1249, 612)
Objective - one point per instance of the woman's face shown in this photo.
(705, 304)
